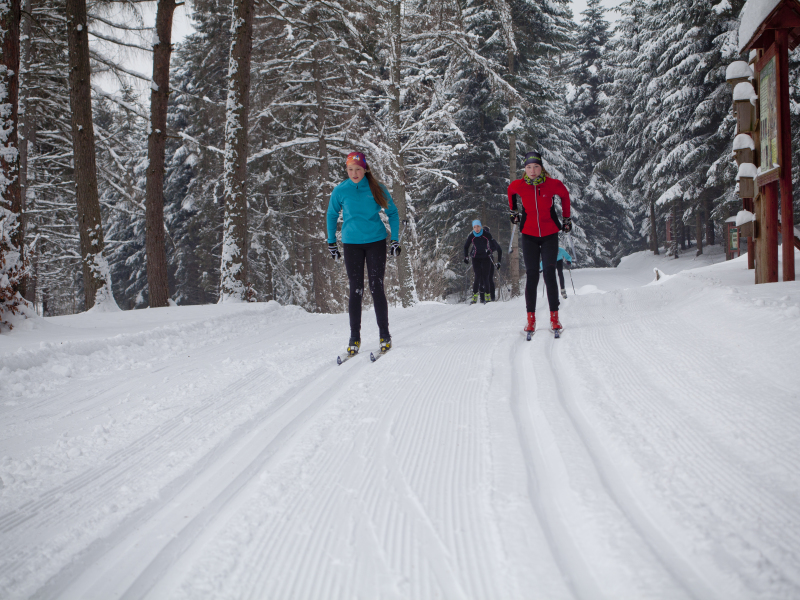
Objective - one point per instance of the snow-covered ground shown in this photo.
(219, 451)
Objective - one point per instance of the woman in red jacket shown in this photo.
(539, 226)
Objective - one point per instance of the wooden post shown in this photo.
(768, 236)
(784, 125)
(749, 204)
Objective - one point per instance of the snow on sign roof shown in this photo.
(755, 13)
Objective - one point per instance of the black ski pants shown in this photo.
(545, 249)
(374, 256)
(560, 270)
(483, 272)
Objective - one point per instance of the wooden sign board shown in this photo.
(769, 130)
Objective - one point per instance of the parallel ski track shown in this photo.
(82, 496)
(141, 578)
(669, 425)
(404, 482)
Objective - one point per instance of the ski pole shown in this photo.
(511, 241)
(569, 267)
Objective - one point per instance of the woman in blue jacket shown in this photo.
(360, 199)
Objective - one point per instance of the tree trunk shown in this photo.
(676, 231)
(513, 260)
(10, 194)
(698, 220)
(28, 286)
(408, 292)
(323, 188)
(233, 280)
(96, 276)
(709, 224)
(157, 282)
(653, 229)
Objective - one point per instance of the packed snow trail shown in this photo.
(220, 451)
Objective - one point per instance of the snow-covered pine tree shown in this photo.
(11, 242)
(193, 193)
(528, 113)
(602, 210)
(675, 151)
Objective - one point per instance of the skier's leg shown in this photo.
(376, 269)
(560, 269)
(491, 279)
(354, 256)
(531, 255)
(549, 255)
(477, 270)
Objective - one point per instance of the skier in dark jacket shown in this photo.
(479, 247)
(539, 226)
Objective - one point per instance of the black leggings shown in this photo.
(560, 270)
(374, 255)
(545, 249)
(483, 273)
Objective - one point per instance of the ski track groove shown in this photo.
(574, 571)
(110, 476)
(330, 470)
(215, 509)
(311, 556)
(712, 466)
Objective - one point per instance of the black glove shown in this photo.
(334, 250)
(394, 248)
(567, 227)
(497, 265)
(514, 216)
(466, 260)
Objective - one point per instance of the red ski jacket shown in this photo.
(538, 213)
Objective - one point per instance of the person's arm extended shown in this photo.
(466, 246)
(393, 214)
(563, 193)
(334, 208)
(497, 247)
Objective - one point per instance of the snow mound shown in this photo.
(738, 70)
(744, 216)
(743, 142)
(747, 170)
(744, 91)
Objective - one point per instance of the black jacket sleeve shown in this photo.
(496, 246)
(466, 246)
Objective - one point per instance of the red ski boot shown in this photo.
(555, 324)
(530, 326)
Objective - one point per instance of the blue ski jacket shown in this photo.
(562, 255)
(361, 220)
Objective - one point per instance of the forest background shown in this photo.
(442, 96)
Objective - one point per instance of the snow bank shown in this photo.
(753, 15)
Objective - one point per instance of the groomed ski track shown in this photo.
(231, 457)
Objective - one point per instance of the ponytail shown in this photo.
(377, 190)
